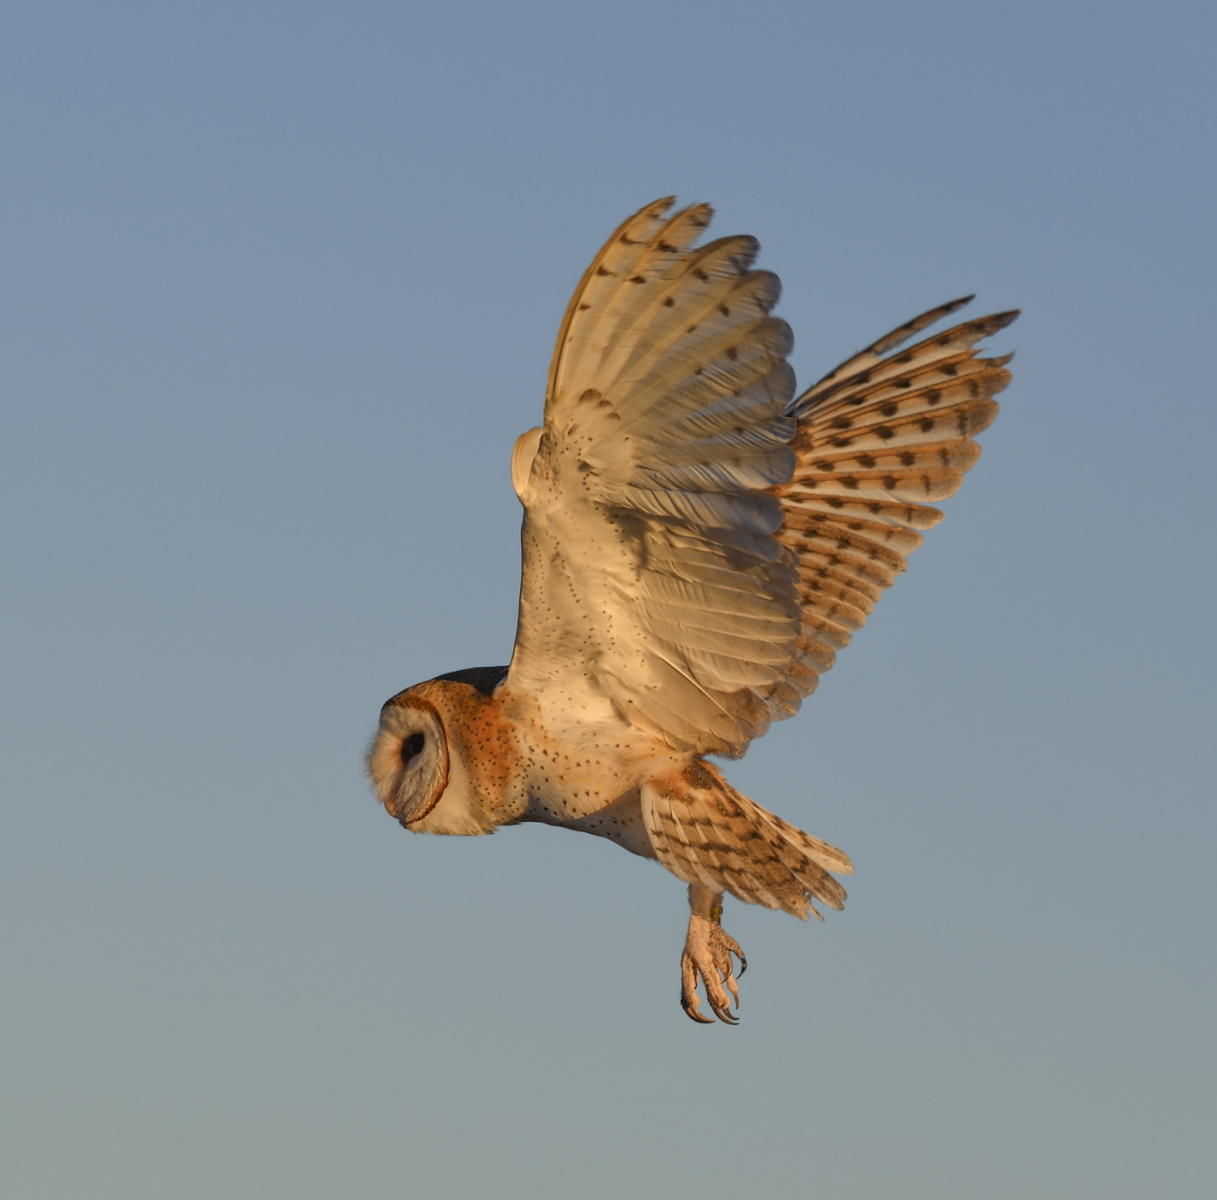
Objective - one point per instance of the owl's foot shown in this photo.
(707, 960)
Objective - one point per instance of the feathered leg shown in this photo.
(707, 958)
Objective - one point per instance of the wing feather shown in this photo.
(877, 438)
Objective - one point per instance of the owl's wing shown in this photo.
(651, 572)
(879, 437)
(658, 571)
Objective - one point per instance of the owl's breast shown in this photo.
(579, 759)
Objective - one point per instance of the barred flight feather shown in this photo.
(872, 435)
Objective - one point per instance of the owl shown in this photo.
(699, 542)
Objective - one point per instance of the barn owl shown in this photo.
(698, 544)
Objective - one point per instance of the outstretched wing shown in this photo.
(673, 556)
(877, 439)
(651, 572)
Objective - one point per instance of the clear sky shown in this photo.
(279, 283)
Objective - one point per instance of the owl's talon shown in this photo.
(692, 1007)
(706, 961)
(723, 1013)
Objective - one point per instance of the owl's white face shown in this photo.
(419, 760)
(408, 761)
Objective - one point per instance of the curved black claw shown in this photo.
(691, 1005)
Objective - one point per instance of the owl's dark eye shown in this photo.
(410, 748)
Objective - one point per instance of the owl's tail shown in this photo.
(706, 832)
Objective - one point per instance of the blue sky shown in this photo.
(280, 283)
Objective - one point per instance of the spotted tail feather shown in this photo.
(706, 832)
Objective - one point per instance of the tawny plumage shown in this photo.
(698, 545)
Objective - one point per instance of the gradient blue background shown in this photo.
(279, 286)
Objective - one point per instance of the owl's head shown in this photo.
(417, 758)
(408, 760)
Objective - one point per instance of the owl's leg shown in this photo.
(707, 958)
